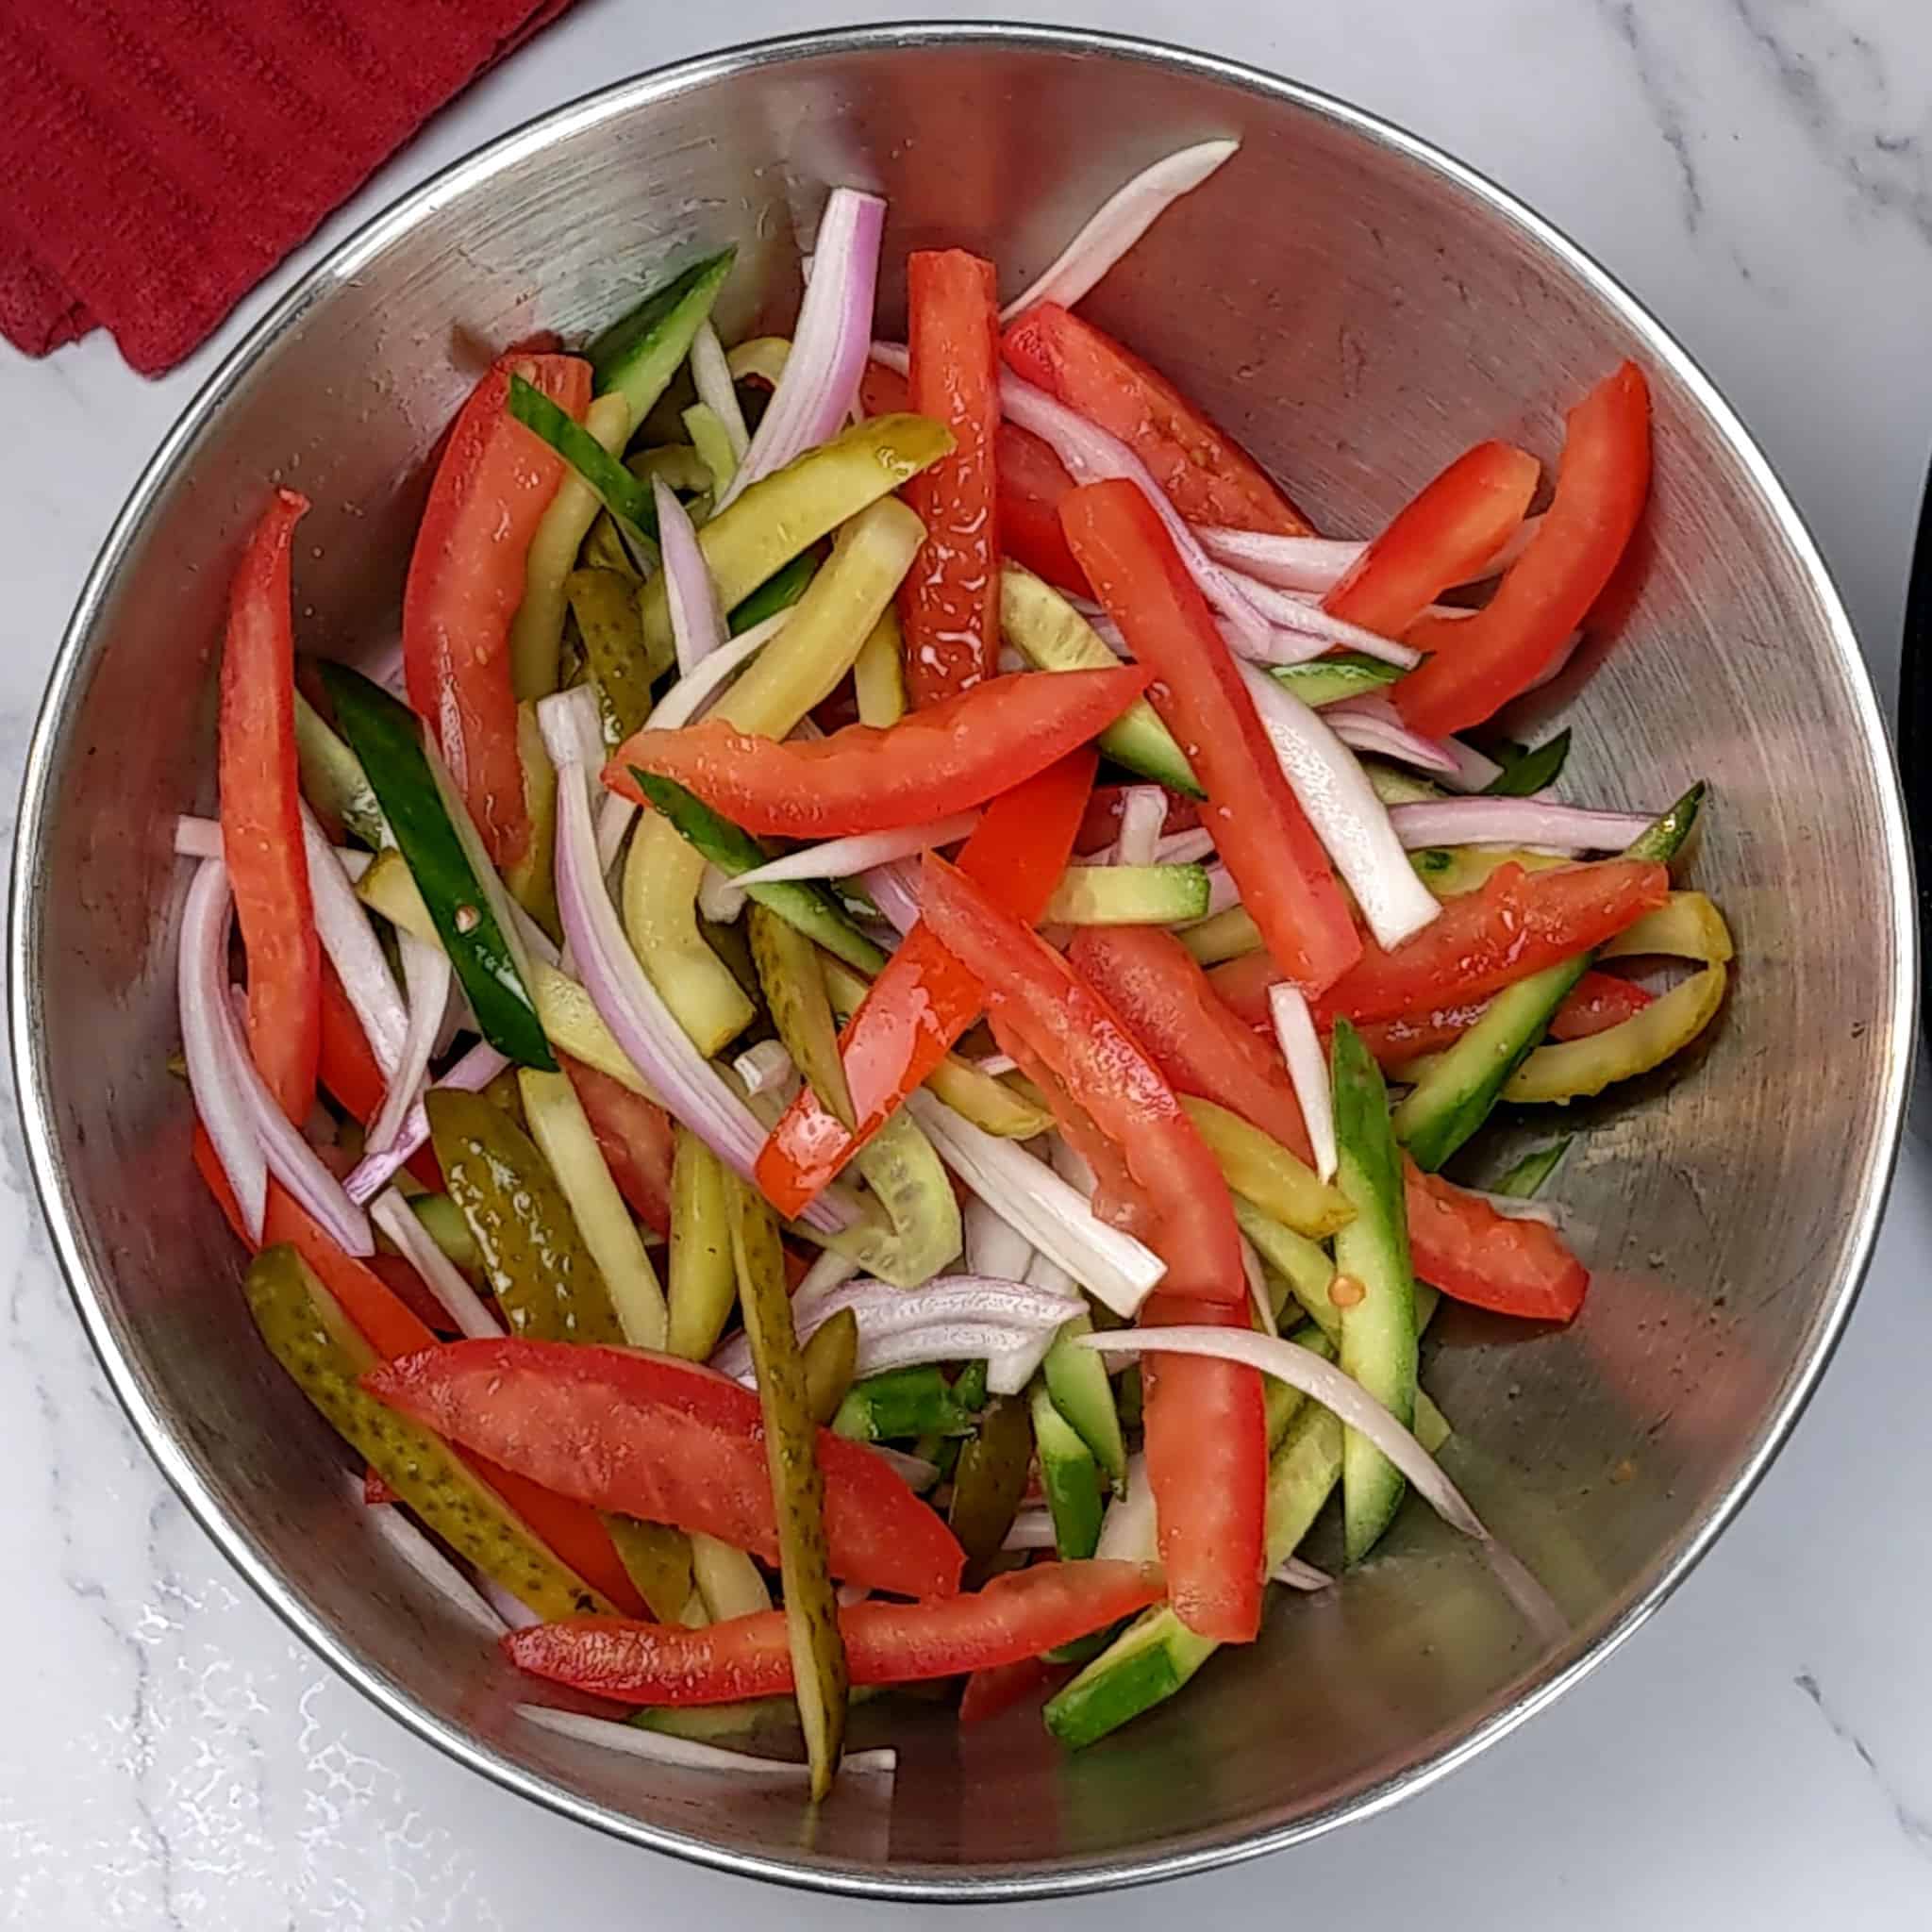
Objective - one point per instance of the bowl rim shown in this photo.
(33, 1086)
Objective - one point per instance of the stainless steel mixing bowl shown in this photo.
(1356, 307)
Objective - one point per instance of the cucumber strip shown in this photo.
(730, 1582)
(1046, 630)
(763, 358)
(630, 506)
(678, 463)
(1329, 680)
(1395, 785)
(1262, 1171)
(639, 352)
(1129, 895)
(465, 899)
(333, 779)
(573, 1026)
(703, 1284)
(879, 674)
(442, 1221)
(903, 1404)
(787, 512)
(1230, 934)
(1525, 771)
(536, 632)
(1157, 1654)
(779, 592)
(1447, 870)
(1300, 1262)
(907, 1182)
(820, 1679)
(1077, 1379)
(560, 1129)
(1455, 1093)
(1069, 1477)
(1378, 1320)
(1524, 1180)
(708, 436)
(532, 879)
(325, 1354)
(801, 903)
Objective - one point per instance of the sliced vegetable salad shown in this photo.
(840, 1070)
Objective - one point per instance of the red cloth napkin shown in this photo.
(160, 157)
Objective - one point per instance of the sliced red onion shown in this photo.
(1009, 1370)
(427, 973)
(718, 898)
(1559, 663)
(1032, 1529)
(1371, 722)
(441, 1276)
(764, 1068)
(993, 1245)
(1259, 1299)
(839, 858)
(1351, 822)
(1470, 771)
(1289, 563)
(512, 1610)
(470, 1074)
(1300, 1575)
(1308, 1068)
(230, 1096)
(950, 1318)
(697, 625)
(1112, 1266)
(341, 924)
(691, 693)
(614, 814)
(821, 379)
(1317, 629)
(572, 731)
(198, 838)
(1184, 848)
(1519, 1207)
(207, 1024)
(693, 1753)
(894, 889)
(711, 374)
(386, 669)
(915, 1472)
(1090, 456)
(994, 1064)
(1515, 822)
(1070, 1165)
(686, 1083)
(1129, 1530)
(399, 1531)
(1143, 812)
(829, 1271)
(1301, 1368)
(1223, 896)
(1121, 220)
(850, 1594)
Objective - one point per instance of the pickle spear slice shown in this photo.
(308, 1333)
(798, 1489)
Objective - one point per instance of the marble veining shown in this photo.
(1761, 1754)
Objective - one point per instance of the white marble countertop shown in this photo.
(1758, 171)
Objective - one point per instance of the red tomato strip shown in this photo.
(1442, 537)
(1515, 924)
(1258, 825)
(1182, 1208)
(634, 1137)
(1207, 1443)
(955, 755)
(1458, 1242)
(466, 579)
(261, 813)
(949, 604)
(999, 1687)
(391, 1329)
(1599, 1000)
(667, 1441)
(1478, 664)
(1014, 1618)
(924, 999)
(1031, 480)
(1207, 476)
